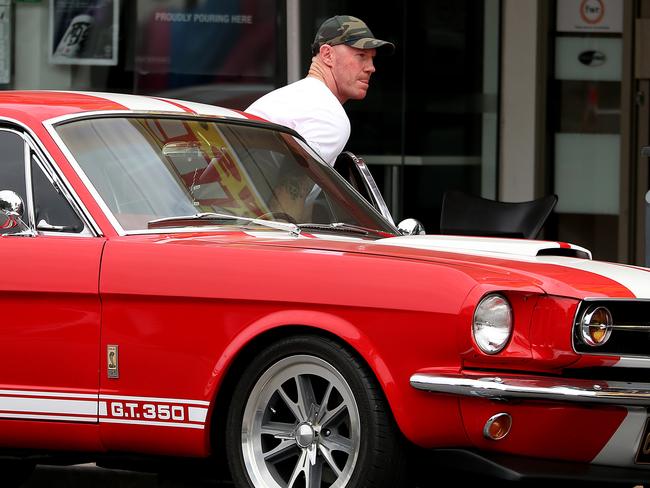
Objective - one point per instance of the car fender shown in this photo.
(407, 404)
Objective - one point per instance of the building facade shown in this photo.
(507, 99)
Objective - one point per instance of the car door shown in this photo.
(49, 302)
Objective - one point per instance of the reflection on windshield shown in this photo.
(147, 169)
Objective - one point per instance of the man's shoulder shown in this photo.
(304, 97)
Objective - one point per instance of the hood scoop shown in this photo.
(496, 247)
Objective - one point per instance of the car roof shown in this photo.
(45, 105)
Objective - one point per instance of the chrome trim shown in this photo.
(577, 320)
(490, 421)
(631, 327)
(585, 325)
(505, 387)
(29, 186)
(615, 299)
(372, 187)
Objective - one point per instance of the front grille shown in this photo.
(634, 313)
(631, 375)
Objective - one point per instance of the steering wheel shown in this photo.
(278, 215)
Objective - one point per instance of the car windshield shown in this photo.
(153, 173)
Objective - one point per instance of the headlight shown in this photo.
(596, 325)
(492, 323)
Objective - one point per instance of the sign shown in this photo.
(215, 38)
(589, 16)
(589, 58)
(84, 31)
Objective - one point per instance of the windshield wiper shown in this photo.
(340, 227)
(212, 217)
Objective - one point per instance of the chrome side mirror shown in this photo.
(11, 204)
(12, 208)
(411, 227)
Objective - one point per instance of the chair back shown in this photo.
(464, 214)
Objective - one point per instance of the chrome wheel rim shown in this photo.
(301, 426)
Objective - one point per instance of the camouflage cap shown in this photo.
(345, 29)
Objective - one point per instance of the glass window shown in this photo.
(12, 163)
(178, 170)
(12, 173)
(52, 211)
(585, 121)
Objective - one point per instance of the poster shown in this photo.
(84, 31)
(225, 38)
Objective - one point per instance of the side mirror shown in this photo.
(11, 204)
(12, 209)
(411, 227)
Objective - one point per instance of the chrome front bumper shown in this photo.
(504, 387)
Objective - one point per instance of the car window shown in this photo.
(147, 168)
(12, 169)
(52, 210)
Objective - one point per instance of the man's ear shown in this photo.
(327, 54)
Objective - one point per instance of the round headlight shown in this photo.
(596, 326)
(492, 324)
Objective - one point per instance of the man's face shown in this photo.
(351, 69)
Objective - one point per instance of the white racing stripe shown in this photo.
(634, 278)
(53, 394)
(480, 246)
(205, 109)
(61, 418)
(633, 362)
(136, 102)
(153, 423)
(153, 399)
(621, 448)
(112, 409)
(197, 414)
(49, 406)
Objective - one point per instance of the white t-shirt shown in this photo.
(312, 110)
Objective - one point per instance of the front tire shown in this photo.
(308, 414)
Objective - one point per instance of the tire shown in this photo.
(308, 414)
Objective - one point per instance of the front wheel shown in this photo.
(308, 414)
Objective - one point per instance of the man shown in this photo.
(340, 70)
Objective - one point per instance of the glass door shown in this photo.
(585, 116)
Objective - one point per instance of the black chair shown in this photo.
(464, 214)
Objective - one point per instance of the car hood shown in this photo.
(556, 267)
(552, 267)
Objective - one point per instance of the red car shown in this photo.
(184, 280)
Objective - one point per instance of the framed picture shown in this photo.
(84, 31)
